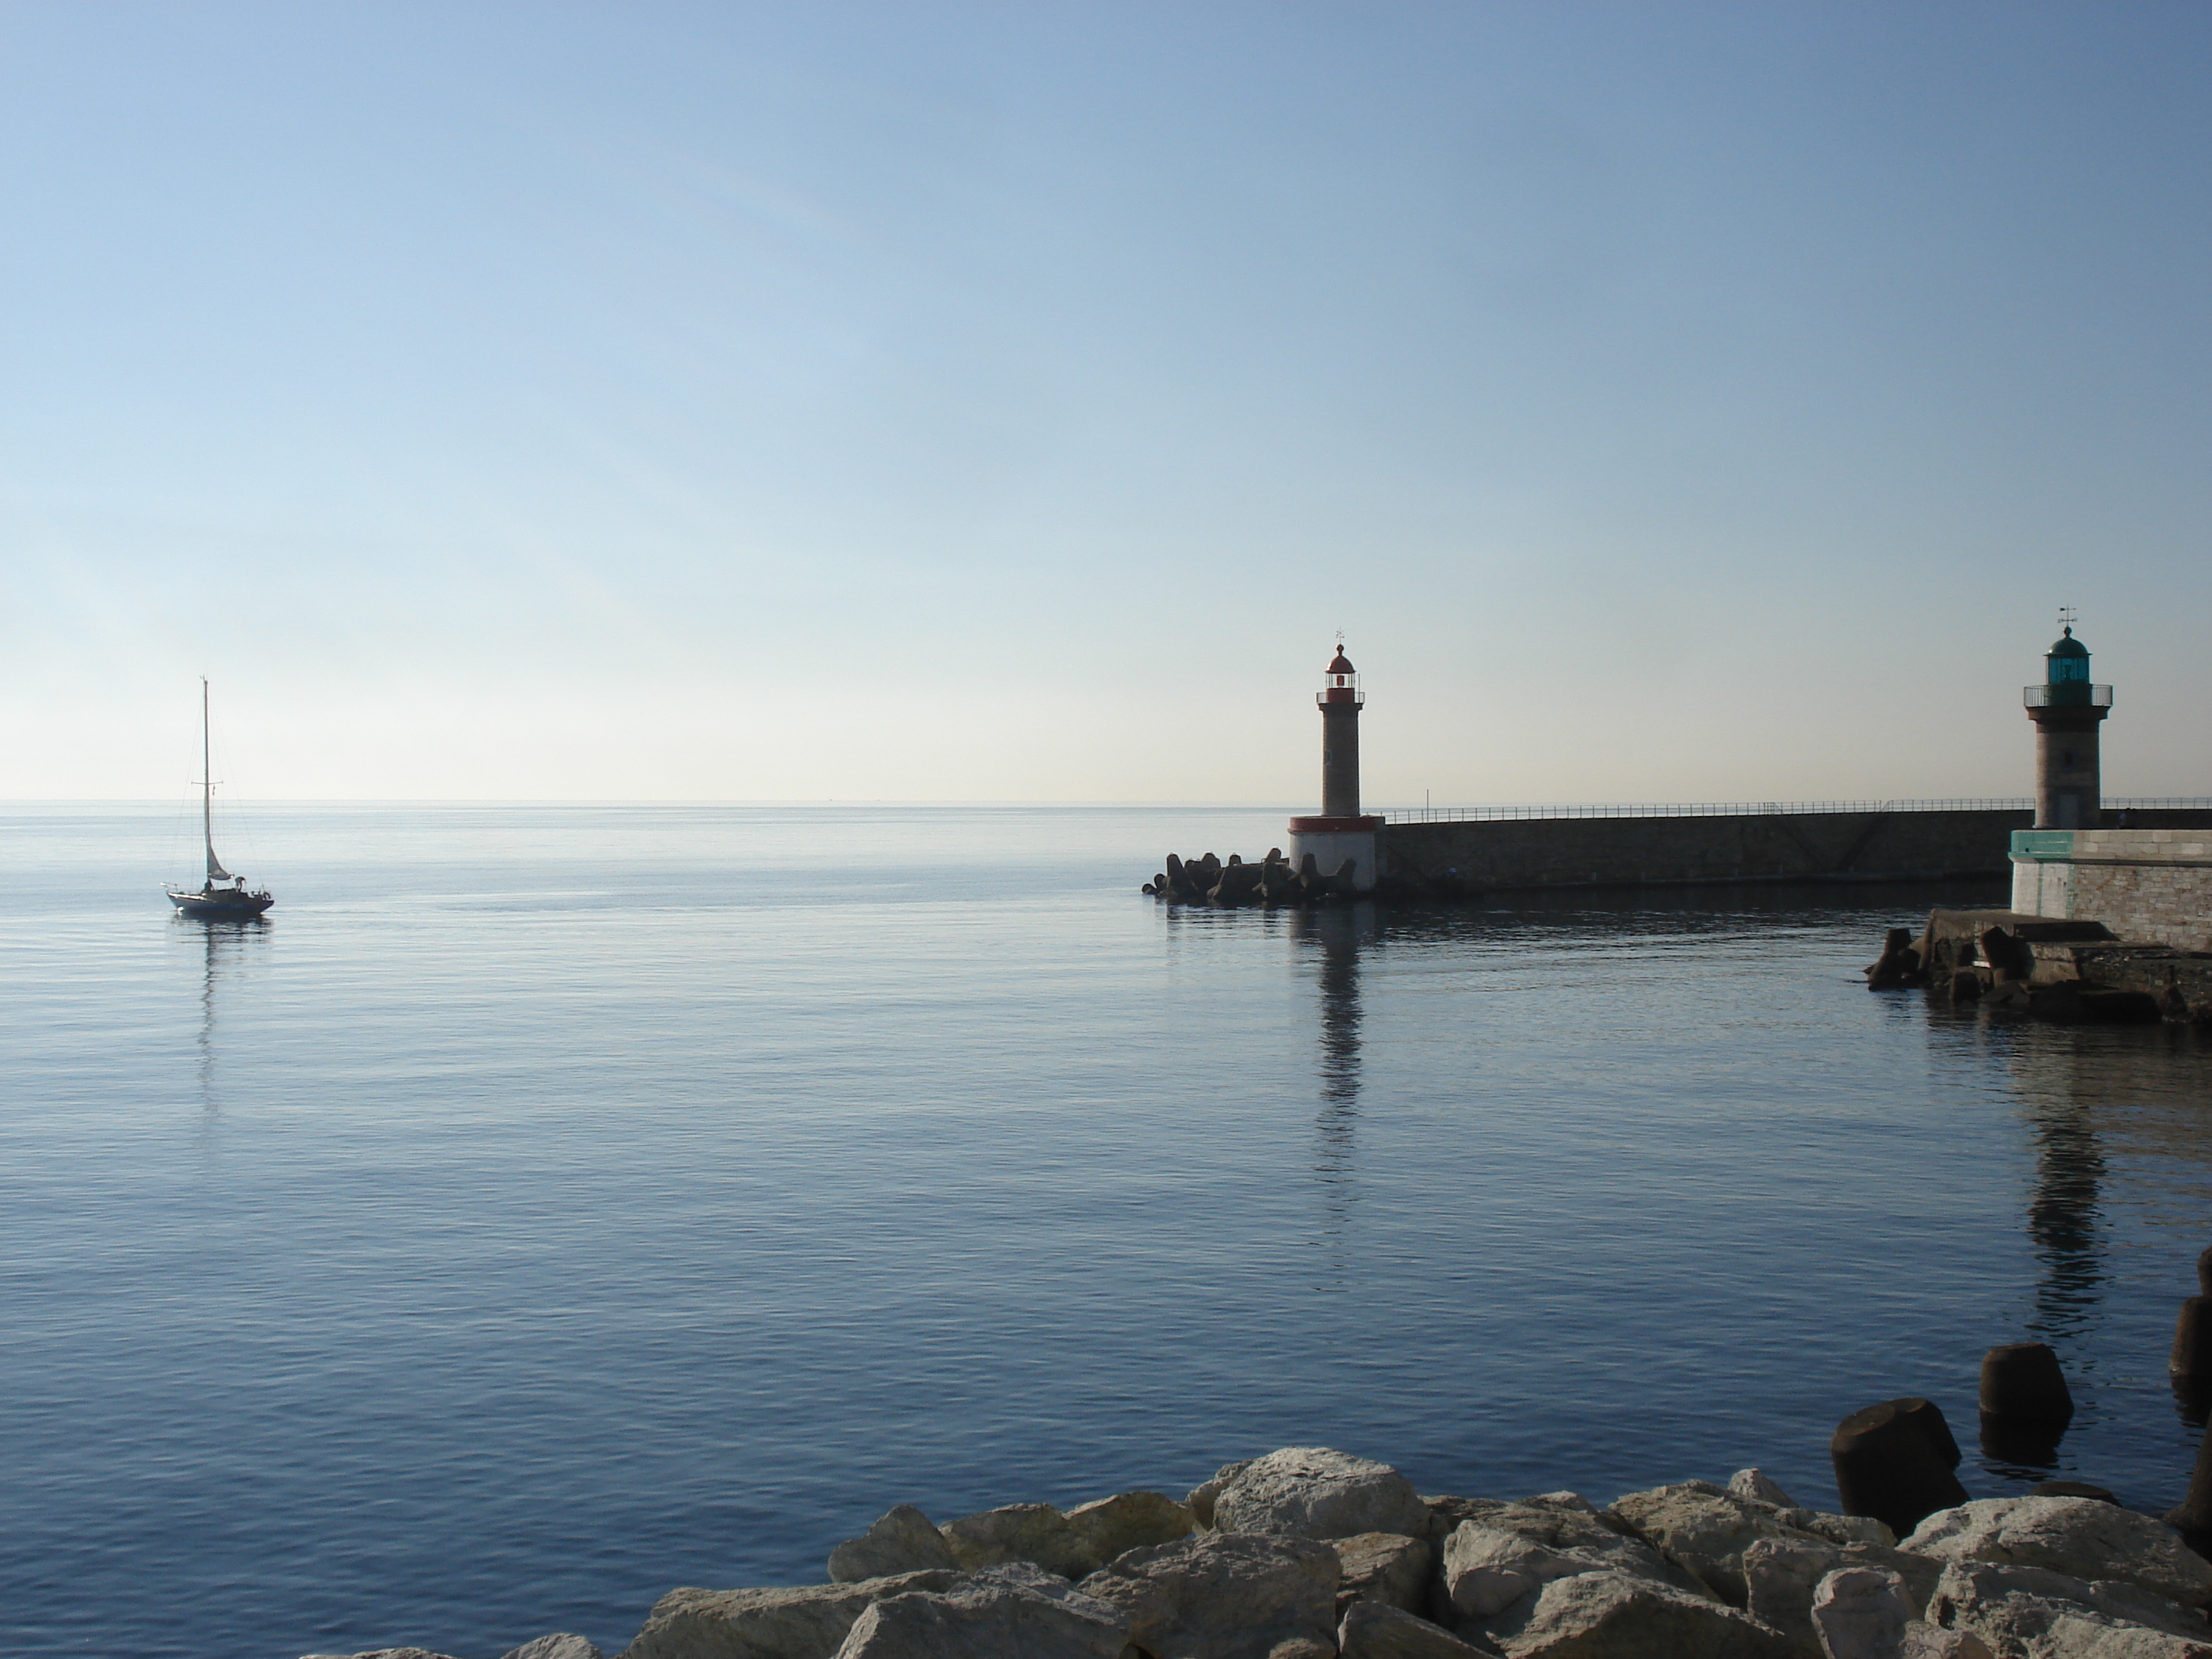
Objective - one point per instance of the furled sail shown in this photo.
(216, 872)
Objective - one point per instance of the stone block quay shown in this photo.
(1660, 848)
(2149, 884)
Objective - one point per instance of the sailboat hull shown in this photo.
(222, 905)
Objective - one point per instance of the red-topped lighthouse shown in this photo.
(1340, 832)
(1341, 702)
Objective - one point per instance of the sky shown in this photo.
(940, 402)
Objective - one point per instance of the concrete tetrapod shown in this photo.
(2025, 1403)
(2191, 1364)
(1895, 1462)
(1899, 964)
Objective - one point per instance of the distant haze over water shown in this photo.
(748, 401)
(552, 1206)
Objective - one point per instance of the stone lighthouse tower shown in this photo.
(2067, 711)
(1340, 832)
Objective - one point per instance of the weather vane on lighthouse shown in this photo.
(2068, 616)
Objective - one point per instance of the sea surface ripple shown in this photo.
(551, 1205)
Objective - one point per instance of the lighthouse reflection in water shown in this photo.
(1332, 939)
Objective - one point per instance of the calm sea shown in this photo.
(551, 1205)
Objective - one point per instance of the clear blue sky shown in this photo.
(1670, 402)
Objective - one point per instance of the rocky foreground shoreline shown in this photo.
(1313, 1553)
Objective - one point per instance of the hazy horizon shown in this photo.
(862, 403)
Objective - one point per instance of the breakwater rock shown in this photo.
(2071, 972)
(1313, 1553)
(1237, 885)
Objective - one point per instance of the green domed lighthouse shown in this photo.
(2067, 710)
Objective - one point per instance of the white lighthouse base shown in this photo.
(1332, 840)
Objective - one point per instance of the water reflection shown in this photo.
(2091, 1096)
(2065, 1219)
(224, 948)
(2114, 1117)
(2065, 1224)
(1332, 939)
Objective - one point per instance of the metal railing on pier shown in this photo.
(1761, 808)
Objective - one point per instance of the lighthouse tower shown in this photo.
(2067, 711)
(1340, 832)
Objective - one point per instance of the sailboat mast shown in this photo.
(207, 783)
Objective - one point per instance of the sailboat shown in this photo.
(211, 902)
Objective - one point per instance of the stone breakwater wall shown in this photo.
(1466, 859)
(1313, 1553)
(1502, 854)
(1508, 854)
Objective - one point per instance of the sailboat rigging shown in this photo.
(233, 902)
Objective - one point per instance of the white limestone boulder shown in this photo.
(1754, 1485)
(1924, 1641)
(1018, 1611)
(1225, 1596)
(561, 1644)
(903, 1539)
(1861, 1612)
(1036, 1532)
(1384, 1567)
(1487, 1569)
(2083, 1538)
(1375, 1629)
(2031, 1612)
(1098, 1532)
(1781, 1574)
(1612, 1615)
(1705, 1530)
(1313, 1492)
(1202, 1495)
(1561, 1523)
(809, 1622)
